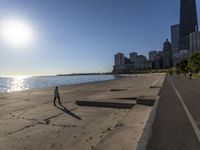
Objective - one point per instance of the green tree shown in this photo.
(171, 70)
(182, 66)
(194, 62)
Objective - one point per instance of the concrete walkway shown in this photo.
(29, 121)
(177, 116)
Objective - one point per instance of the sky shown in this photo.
(73, 36)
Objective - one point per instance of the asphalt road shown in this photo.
(177, 122)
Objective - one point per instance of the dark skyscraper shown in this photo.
(188, 22)
(175, 38)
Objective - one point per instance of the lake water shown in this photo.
(8, 84)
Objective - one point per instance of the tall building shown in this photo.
(175, 38)
(127, 60)
(130, 65)
(188, 22)
(167, 54)
(119, 59)
(122, 64)
(133, 55)
(140, 62)
(194, 42)
(119, 63)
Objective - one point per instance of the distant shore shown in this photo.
(109, 73)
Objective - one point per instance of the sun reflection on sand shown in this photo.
(17, 84)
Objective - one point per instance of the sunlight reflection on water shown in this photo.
(12, 84)
(17, 84)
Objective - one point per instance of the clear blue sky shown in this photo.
(83, 35)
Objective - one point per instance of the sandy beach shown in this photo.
(29, 121)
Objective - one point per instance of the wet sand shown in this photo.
(29, 121)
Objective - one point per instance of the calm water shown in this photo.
(26, 83)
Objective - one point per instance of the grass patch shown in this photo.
(196, 75)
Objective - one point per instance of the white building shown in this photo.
(119, 59)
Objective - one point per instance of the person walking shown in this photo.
(56, 96)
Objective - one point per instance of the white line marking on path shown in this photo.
(194, 125)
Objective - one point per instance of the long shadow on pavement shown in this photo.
(65, 110)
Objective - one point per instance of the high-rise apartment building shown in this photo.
(119, 59)
(194, 42)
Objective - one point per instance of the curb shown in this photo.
(105, 104)
(148, 101)
(142, 145)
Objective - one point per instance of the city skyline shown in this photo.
(82, 37)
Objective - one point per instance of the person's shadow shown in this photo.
(65, 110)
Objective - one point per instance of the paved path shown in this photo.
(177, 121)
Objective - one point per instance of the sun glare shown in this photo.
(16, 33)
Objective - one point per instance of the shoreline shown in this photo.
(41, 88)
(118, 77)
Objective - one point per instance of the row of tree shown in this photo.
(192, 64)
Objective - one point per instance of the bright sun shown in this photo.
(16, 33)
